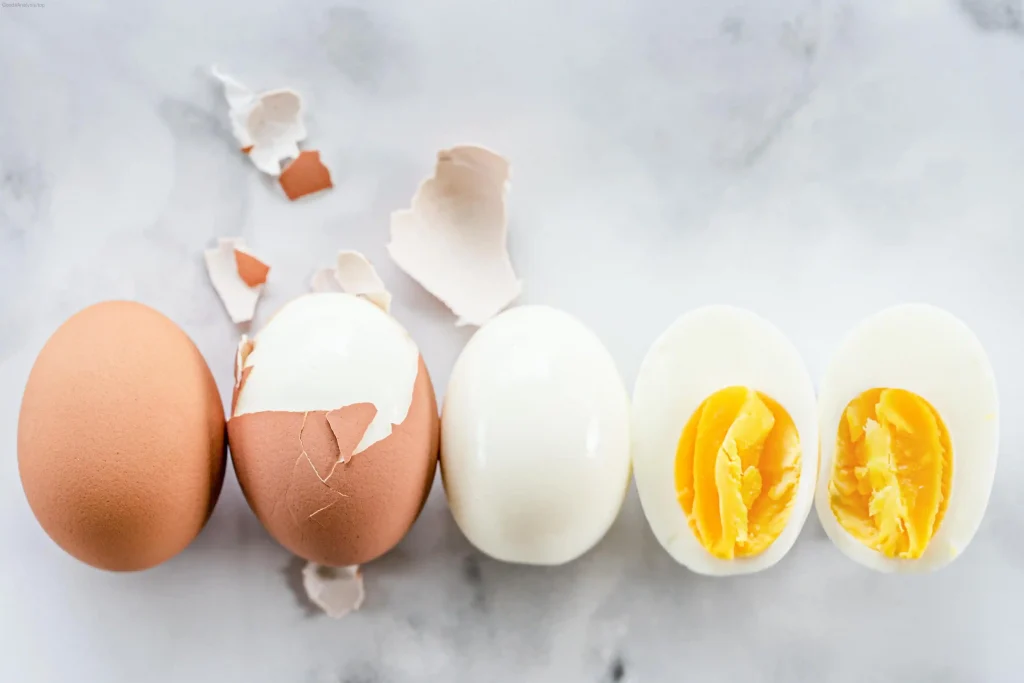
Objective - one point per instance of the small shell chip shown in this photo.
(237, 276)
(306, 175)
(335, 590)
(353, 274)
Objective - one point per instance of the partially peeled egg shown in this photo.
(725, 441)
(334, 428)
(909, 429)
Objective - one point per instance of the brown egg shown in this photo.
(121, 437)
(302, 473)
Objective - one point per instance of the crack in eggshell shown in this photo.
(299, 504)
(349, 424)
(453, 237)
(312, 516)
(302, 454)
(327, 461)
(348, 516)
(302, 448)
(324, 509)
(301, 501)
(323, 480)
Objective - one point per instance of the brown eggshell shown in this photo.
(252, 271)
(325, 510)
(306, 175)
(121, 437)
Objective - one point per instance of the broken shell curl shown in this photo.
(452, 240)
(353, 274)
(268, 126)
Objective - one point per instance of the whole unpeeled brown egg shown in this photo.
(334, 428)
(121, 437)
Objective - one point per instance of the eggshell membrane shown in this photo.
(928, 351)
(702, 352)
(327, 511)
(121, 437)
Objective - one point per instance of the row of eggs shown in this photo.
(334, 435)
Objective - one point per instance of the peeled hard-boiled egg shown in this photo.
(909, 438)
(334, 428)
(121, 437)
(535, 438)
(725, 441)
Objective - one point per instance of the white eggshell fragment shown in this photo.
(927, 351)
(301, 362)
(237, 276)
(535, 438)
(335, 590)
(267, 125)
(703, 351)
(452, 240)
(353, 273)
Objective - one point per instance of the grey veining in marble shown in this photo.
(814, 160)
(996, 15)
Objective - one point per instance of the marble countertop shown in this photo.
(814, 160)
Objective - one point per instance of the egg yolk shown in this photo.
(737, 470)
(892, 473)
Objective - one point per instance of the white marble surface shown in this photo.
(814, 161)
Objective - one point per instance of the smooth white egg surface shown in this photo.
(329, 350)
(909, 419)
(535, 438)
(725, 441)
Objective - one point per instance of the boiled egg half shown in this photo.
(909, 429)
(725, 441)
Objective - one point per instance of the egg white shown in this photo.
(702, 352)
(535, 438)
(923, 349)
(326, 351)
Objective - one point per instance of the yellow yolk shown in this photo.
(892, 474)
(737, 470)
